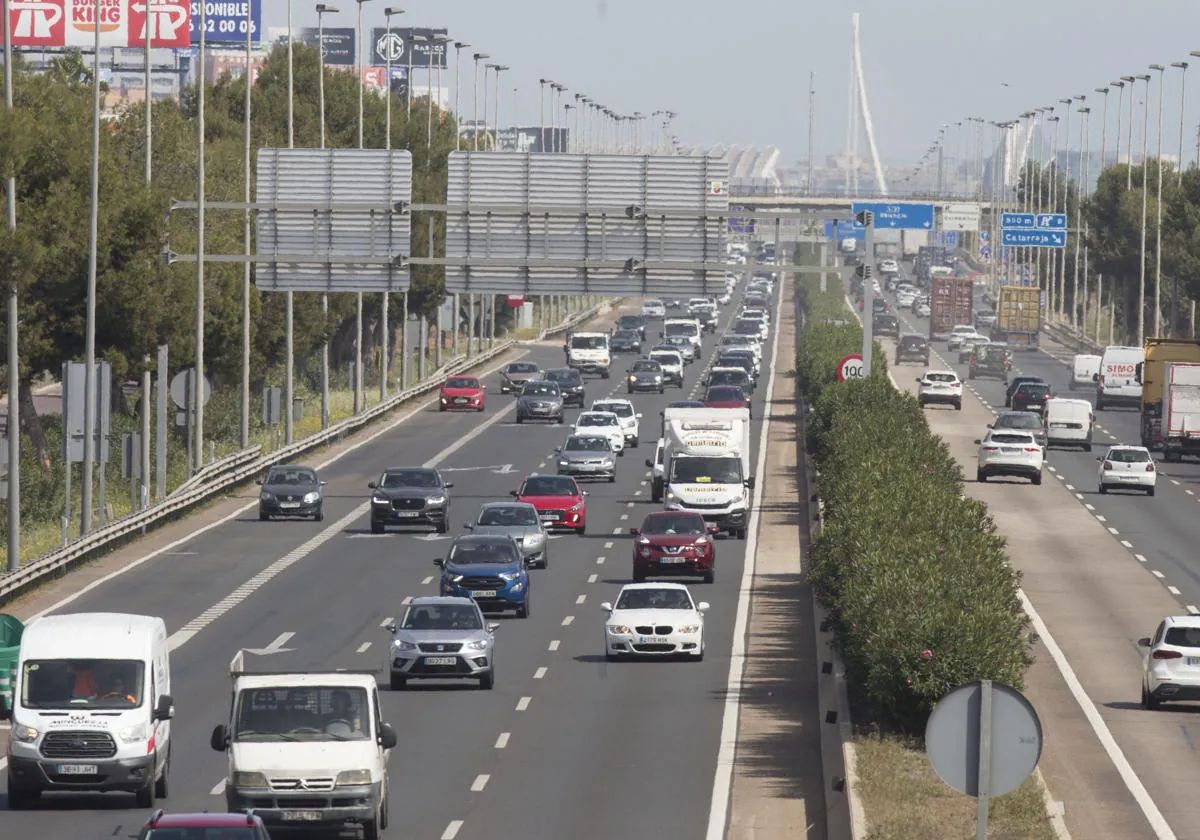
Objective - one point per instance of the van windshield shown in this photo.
(588, 342)
(696, 470)
(681, 329)
(82, 684)
(308, 713)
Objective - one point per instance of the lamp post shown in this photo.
(1078, 226)
(1130, 80)
(387, 84)
(1103, 126)
(1183, 66)
(1158, 211)
(542, 114)
(499, 68)
(322, 10)
(486, 68)
(13, 357)
(385, 329)
(358, 308)
(1052, 203)
(458, 48)
(1120, 86)
(1062, 279)
(475, 98)
(1142, 268)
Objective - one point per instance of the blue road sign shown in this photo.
(949, 238)
(1033, 238)
(897, 216)
(226, 22)
(1018, 220)
(845, 230)
(985, 235)
(1051, 221)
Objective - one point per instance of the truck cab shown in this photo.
(589, 352)
(707, 465)
(307, 750)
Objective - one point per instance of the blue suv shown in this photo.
(489, 569)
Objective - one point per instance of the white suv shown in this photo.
(672, 365)
(1171, 662)
(1128, 466)
(654, 309)
(940, 386)
(602, 424)
(626, 416)
(1009, 452)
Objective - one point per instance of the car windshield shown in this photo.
(678, 340)
(654, 599)
(694, 470)
(646, 367)
(674, 523)
(549, 485)
(685, 404)
(410, 478)
(619, 409)
(941, 377)
(911, 341)
(1011, 438)
(653, 304)
(522, 367)
(1128, 456)
(746, 328)
(626, 335)
(736, 340)
(629, 322)
(1033, 389)
(566, 376)
(442, 617)
(290, 475)
(665, 359)
(203, 832)
(462, 382)
(587, 342)
(1019, 421)
(684, 329)
(308, 713)
(726, 393)
(508, 515)
(82, 683)
(596, 420)
(1188, 637)
(586, 444)
(540, 389)
(482, 551)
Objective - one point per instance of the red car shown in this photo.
(240, 826)
(559, 501)
(462, 392)
(673, 543)
(726, 396)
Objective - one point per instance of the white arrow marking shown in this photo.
(276, 646)
(497, 468)
(504, 469)
(434, 537)
(368, 536)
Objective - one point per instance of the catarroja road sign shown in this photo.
(1033, 238)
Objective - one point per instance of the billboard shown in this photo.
(123, 23)
(225, 21)
(528, 138)
(399, 46)
(338, 48)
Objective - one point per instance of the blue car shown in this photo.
(489, 569)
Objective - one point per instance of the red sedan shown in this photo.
(241, 826)
(726, 396)
(674, 543)
(559, 501)
(462, 392)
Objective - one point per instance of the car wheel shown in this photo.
(444, 526)
(1037, 479)
(523, 610)
(162, 786)
(660, 389)
(639, 577)
(583, 529)
(441, 408)
(1087, 447)
(370, 828)
(480, 408)
(1149, 491)
(612, 478)
(628, 390)
(21, 799)
(656, 492)
(1103, 489)
(520, 419)
(699, 657)
(635, 443)
(560, 419)
(262, 516)
(608, 656)
(376, 527)
(621, 453)
(958, 405)
(144, 796)
(709, 577)
(399, 682)
(488, 681)
(980, 476)
(1099, 404)
(1148, 701)
(604, 374)
(740, 533)
(319, 516)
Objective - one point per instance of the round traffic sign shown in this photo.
(181, 384)
(850, 367)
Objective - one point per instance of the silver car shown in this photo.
(442, 638)
(520, 521)
(587, 456)
(540, 400)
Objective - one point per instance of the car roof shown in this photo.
(438, 600)
(610, 401)
(481, 538)
(1128, 446)
(1026, 378)
(493, 505)
(206, 819)
(1013, 431)
(912, 335)
(664, 585)
(1182, 620)
(940, 370)
(1004, 414)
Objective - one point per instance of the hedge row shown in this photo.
(914, 575)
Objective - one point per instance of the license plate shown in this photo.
(1060, 425)
(460, 400)
(302, 816)
(483, 593)
(653, 640)
(440, 660)
(549, 517)
(407, 514)
(1009, 450)
(672, 560)
(78, 769)
(288, 505)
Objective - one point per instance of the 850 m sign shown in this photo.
(851, 367)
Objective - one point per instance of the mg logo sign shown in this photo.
(390, 47)
(167, 20)
(37, 23)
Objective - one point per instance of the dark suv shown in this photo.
(1031, 396)
(1016, 382)
(886, 325)
(912, 347)
(410, 496)
(989, 360)
(570, 384)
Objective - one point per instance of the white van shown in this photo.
(654, 308)
(92, 708)
(1084, 368)
(688, 327)
(1115, 382)
(1068, 423)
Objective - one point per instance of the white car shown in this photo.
(757, 312)
(921, 309)
(1171, 661)
(889, 266)
(604, 423)
(905, 299)
(654, 309)
(940, 386)
(1010, 452)
(748, 341)
(626, 416)
(958, 334)
(671, 362)
(725, 298)
(1128, 466)
(654, 619)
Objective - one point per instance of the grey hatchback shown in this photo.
(587, 456)
(540, 400)
(440, 638)
(518, 520)
(291, 490)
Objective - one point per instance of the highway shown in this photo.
(565, 744)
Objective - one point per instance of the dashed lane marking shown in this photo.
(523, 703)
(1157, 574)
(363, 648)
(539, 673)
(452, 830)
(1127, 543)
(1174, 590)
(592, 578)
(566, 622)
(608, 544)
(480, 782)
(502, 741)
(580, 599)
(554, 645)
(1141, 558)
(427, 581)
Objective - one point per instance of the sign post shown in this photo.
(866, 218)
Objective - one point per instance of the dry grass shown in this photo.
(905, 800)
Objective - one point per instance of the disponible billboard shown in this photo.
(122, 23)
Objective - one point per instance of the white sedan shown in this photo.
(626, 416)
(889, 266)
(1128, 466)
(1171, 661)
(602, 423)
(1010, 452)
(654, 619)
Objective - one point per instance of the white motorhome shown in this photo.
(1068, 423)
(1116, 382)
(91, 708)
(307, 750)
(707, 465)
(589, 352)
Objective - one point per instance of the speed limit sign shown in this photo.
(851, 367)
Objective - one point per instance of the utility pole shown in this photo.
(811, 117)
(14, 366)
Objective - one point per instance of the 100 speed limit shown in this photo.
(850, 367)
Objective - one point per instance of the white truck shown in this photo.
(1181, 410)
(707, 465)
(307, 750)
(589, 352)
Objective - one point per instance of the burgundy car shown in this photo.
(726, 396)
(206, 826)
(674, 543)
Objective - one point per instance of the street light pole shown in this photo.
(1142, 268)
(14, 347)
(322, 10)
(1158, 213)
(475, 98)
(359, 379)
(1080, 187)
(385, 329)
(458, 48)
(1062, 277)
(1131, 81)
(500, 68)
(1120, 86)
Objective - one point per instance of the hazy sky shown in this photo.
(736, 71)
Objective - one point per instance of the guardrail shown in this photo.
(215, 468)
(1070, 339)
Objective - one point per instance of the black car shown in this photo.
(912, 347)
(1022, 421)
(291, 490)
(570, 384)
(1031, 396)
(645, 375)
(633, 322)
(989, 360)
(626, 341)
(707, 319)
(886, 325)
(732, 378)
(1017, 382)
(410, 496)
(743, 359)
(540, 400)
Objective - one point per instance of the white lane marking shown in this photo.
(1175, 481)
(502, 741)
(636, 493)
(1079, 496)
(644, 483)
(1113, 530)
(427, 581)
(1100, 518)
(580, 599)
(608, 544)
(600, 561)
(624, 516)
(1141, 558)
(363, 648)
(1157, 574)
(171, 546)
(554, 645)
(566, 622)
(539, 673)
(523, 703)
(617, 530)
(1071, 487)
(218, 788)
(1051, 468)
(1090, 506)
(452, 830)
(480, 782)
(542, 465)
(387, 621)
(592, 578)
(1174, 590)
(1127, 543)
(407, 600)
(1193, 609)
(723, 776)
(1190, 492)
(629, 504)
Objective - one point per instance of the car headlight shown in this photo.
(353, 777)
(24, 734)
(435, 500)
(688, 629)
(517, 587)
(309, 498)
(266, 497)
(657, 377)
(618, 629)
(577, 506)
(633, 379)
(564, 463)
(134, 734)
(379, 500)
(478, 644)
(701, 541)
(454, 578)
(671, 497)
(249, 779)
(509, 575)
(401, 644)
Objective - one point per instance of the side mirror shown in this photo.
(219, 740)
(387, 736)
(558, 449)
(750, 482)
(371, 484)
(633, 532)
(448, 484)
(470, 526)
(978, 441)
(165, 710)
(918, 380)
(638, 415)
(513, 493)
(1095, 377)
(702, 606)
(712, 529)
(1099, 457)
(583, 492)
(649, 463)
(323, 482)
(439, 562)
(991, 425)
(606, 606)
(1144, 642)
(259, 482)
(391, 628)
(493, 626)
(5, 714)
